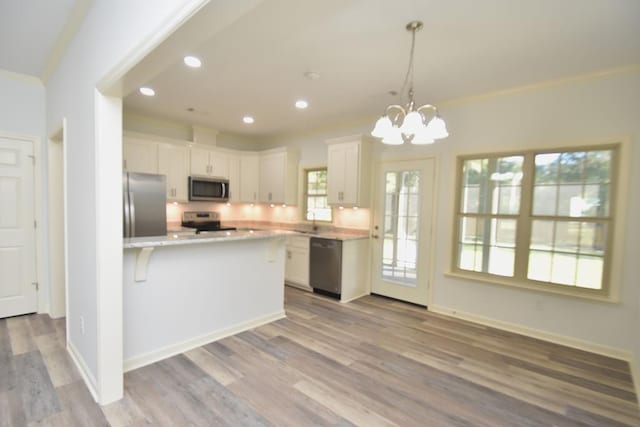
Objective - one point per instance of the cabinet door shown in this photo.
(272, 176)
(351, 174)
(173, 161)
(234, 178)
(140, 156)
(335, 174)
(199, 162)
(219, 164)
(249, 178)
(297, 266)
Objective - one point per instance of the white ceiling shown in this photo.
(34, 32)
(255, 63)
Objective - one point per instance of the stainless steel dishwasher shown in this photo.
(325, 269)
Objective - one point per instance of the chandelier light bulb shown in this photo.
(437, 128)
(423, 137)
(382, 128)
(393, 137)
(412, 123)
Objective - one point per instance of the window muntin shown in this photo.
(315, 196)
(537, 217)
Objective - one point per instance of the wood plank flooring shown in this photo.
(373, 362)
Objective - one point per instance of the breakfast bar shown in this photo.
(183, 291)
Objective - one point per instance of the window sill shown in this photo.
(496, 280)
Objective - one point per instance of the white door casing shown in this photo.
(18, 277)
(402, 230)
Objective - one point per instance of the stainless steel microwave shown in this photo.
(208, 189)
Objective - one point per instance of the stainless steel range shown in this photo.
(203, 221)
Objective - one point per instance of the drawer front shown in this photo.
(300, 242)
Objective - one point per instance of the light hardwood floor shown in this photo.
(373, 362)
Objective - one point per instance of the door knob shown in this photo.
(375, 236)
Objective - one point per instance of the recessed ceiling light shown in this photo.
(192, 61)
(248, 119)
(301, 104)
(147, 91)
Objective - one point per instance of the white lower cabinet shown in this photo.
(296, 271)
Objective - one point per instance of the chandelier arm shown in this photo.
(395, 107)
(428, 107)
(400, 112)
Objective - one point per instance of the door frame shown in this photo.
(58, 137)
(41, 252)
(406, 155)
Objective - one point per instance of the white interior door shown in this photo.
(402, 230)
(18, 292)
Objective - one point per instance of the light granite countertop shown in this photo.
(209, 237)
(182, 237)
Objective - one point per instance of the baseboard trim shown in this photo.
(353, 298)
(174, 349)
(591, 347)
(86, 374)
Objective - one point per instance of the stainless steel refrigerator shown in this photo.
(145, 205)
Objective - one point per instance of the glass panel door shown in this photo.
(402, 230)
(400, 233)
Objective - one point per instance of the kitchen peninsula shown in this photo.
(183, 291)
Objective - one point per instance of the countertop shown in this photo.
(339, 234)
(209, 237)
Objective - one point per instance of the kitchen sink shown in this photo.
(306, 232)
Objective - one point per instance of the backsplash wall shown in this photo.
(342, 218)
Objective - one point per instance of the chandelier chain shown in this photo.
(409, 75)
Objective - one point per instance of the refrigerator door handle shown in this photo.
(127, 219)
(132, 211)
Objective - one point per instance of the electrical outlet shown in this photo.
(82, 325)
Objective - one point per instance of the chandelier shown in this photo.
(421, 125)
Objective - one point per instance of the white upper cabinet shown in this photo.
(279, 177)
(173, 161)
(205, 162)
(249, 177)
(234, 178)
(139, 155)
(348, 171)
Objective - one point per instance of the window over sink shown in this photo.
(316, 206)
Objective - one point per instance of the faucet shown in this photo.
(313, 218)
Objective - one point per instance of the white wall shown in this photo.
(22, 112)
(112, 32)
(601, 109)
(582, 110)
(21, 104)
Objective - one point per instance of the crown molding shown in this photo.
(541, 85)
(76, 17)
(27, 78)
